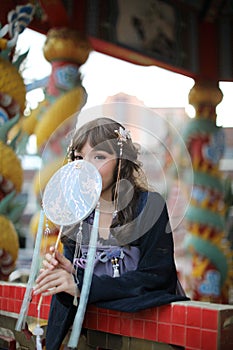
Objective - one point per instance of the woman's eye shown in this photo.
(100, 156)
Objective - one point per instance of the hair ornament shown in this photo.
(123, 136)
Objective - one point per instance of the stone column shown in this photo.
(205, 239)
(56, 116)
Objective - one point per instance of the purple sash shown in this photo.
(108, 259)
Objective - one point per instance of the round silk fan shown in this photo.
(72, 193)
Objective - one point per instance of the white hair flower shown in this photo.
(123, 134)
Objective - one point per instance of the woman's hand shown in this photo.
(54, 281)
(56, 275)
(55, 259)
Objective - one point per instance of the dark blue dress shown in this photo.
(152, 283)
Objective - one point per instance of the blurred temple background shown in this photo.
(171, 62)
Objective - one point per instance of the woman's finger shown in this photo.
(46, 265)
(50, 291)
(52, 249)
(45, 281)
(56, 281)
(51, 259)
(46, 274)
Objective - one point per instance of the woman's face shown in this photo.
(104, 162)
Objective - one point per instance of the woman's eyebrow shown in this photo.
(98, 149)
(103, 149)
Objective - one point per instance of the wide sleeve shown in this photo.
(154, 281)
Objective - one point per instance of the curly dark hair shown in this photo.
(101, 134)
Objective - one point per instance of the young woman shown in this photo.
(134, 264)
